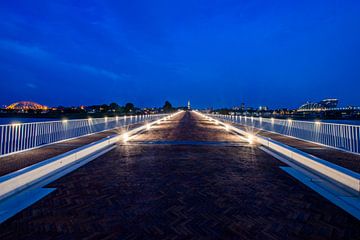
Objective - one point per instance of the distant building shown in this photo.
(263, 108)
(319, 106)
(242, 107)
(188, 105)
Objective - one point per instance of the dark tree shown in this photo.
(114, 106)
(167, 106)
(129, 107)
(104, 108)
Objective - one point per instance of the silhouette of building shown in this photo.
(319, 106)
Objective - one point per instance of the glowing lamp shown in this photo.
(250, 138)
(125, 137)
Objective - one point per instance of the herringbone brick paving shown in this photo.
(21, 160)
(171, 191)
(341, 158)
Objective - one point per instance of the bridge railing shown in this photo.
(24, 136)
(339, 136)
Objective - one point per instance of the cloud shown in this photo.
(41, 54)
(96, 71)
(19, 48)
(31, 85)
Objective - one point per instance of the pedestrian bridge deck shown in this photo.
(185, 178)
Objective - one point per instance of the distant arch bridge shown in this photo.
(27, 105)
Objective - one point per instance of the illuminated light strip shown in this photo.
(125, 137)
(247, 137)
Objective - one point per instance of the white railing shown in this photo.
(339, 136)
(24, 136)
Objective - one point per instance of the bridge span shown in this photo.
(186, 176)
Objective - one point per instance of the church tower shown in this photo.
(189, 107)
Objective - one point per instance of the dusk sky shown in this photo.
(215, 53)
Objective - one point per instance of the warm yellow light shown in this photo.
(250, 138)
(64, 120)
(148, 126)
(15, 124)
(125, 137)
(290, 120)
(227, 128)
(317, 122)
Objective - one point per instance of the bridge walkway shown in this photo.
(186, 178)
(345, 159)
(24, 159)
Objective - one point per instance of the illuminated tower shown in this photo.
(189, 105)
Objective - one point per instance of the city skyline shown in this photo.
(240, 106)
(218, 54)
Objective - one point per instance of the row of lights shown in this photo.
(216, 122)
(250, 137)
(289, 120)
(105, 118)
(147, 127)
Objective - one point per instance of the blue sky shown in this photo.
(215, 53)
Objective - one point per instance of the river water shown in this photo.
(27, 120)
